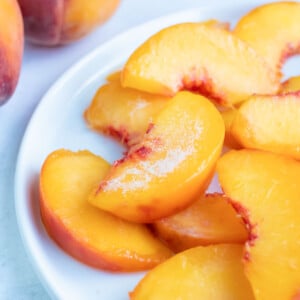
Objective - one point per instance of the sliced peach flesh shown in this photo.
(169, 167)
(272, 30)
(213, 272)
(270, 123)
(90, 235)
(290, 85)
(264, 189)
(202, 58)
(209, 220)
(123, 113)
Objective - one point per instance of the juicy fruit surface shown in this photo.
(270, 123)
(264, 188)
(169, 167)
(291, 85)
(272, 30)
(209, 220)
(123, 113)
(201, 58)
(213, 272)
(11, 47)
(87, 233)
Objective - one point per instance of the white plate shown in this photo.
(58, 123)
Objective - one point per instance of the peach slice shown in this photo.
(272, 30)
(11, 47)
(169, 167)
(90, 235)
(228, 118)
(53, 22)
(209, 220)
(122, 112)
(213, 272)
(202, 58)
(114, 76)
(264, 189)
(290, 85)
(270, 123)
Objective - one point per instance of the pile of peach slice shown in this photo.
(174, 105)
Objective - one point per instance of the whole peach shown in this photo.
(54, 22)
(11, 47)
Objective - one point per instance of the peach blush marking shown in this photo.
(244, 213)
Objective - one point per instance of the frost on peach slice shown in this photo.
(170, 166)
(209, 220)
(290, 85)
(272, 30)
(123, 113)
(204, 59)
(270, 123)
(92, 236)
(264, 189)
(213, 272)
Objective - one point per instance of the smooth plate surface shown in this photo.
(58, 123)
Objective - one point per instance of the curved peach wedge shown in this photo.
(11, 47)
(201, 58)
(53, 22)
(123, 113)
(270, 123)
(209, 220)
(264, 189)
(290, 85)
(169, 167)
(90, 235)
(272, 30)
(213, 272)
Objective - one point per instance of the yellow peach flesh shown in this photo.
(270, 123)
(122, 112)
(85, 232)
(209, 220)
(171, 165)
(213, 272)
(202, 58)
(272, 30)
(264, 189)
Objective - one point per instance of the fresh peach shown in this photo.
(11, 47)
(53, 22)
(264, 189)
(90, 235)
(201, 58)
(213, 272)
(169, 167)
(290, 85)
(123, 113)
(272, 30)
(209, 220)
(270, 123)
(228, 118)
